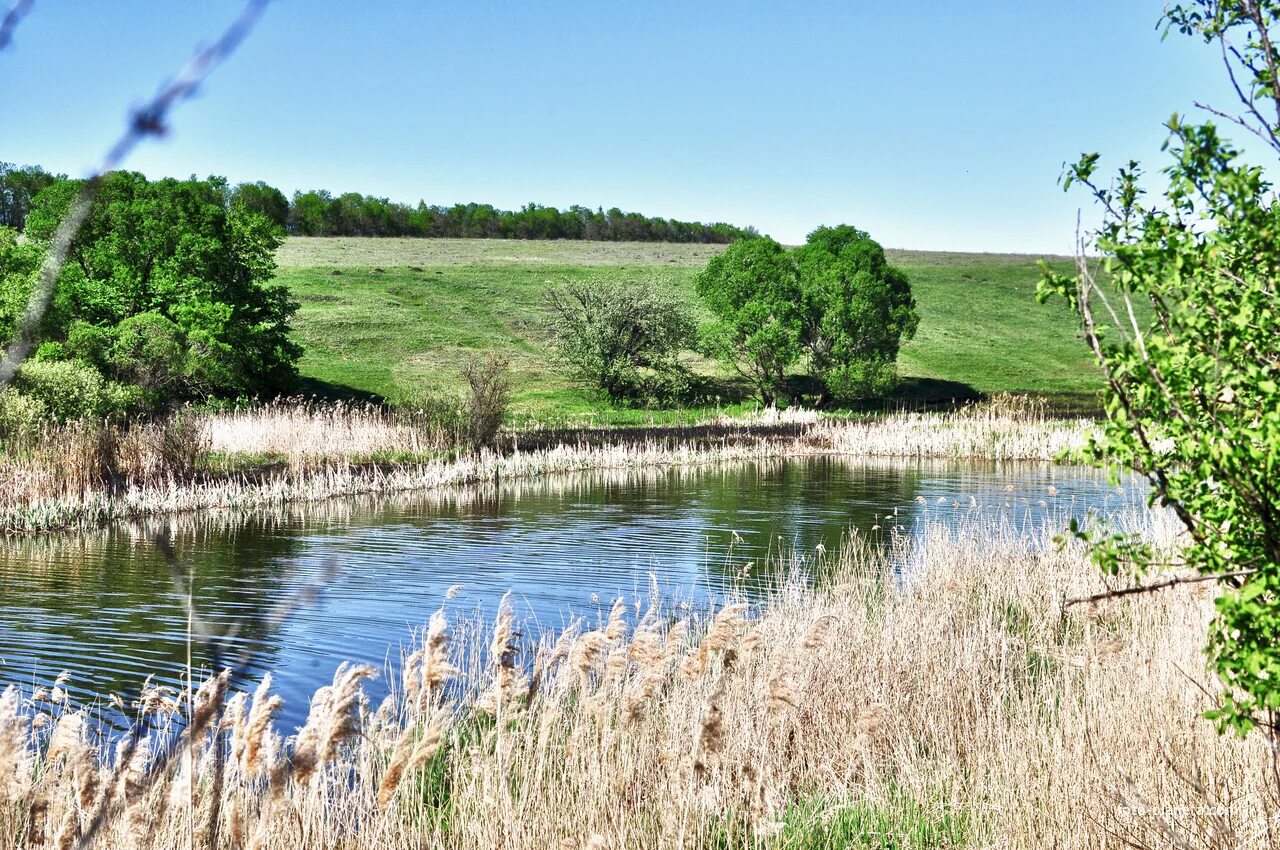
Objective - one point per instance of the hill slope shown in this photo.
(398, 317)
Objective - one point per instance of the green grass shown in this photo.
(817, 824)
(397, 318)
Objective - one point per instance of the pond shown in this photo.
(103, 605)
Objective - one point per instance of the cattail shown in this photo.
(586, 656)
(616, 629)
(206, 705)
(782, 693)
(257, 727)
(233, 822)
(436, 667)
(68, 830)
(59, 692)
(816, 637)
(407, 757)
(344, 702)
(724, 628)
(507, 682)
(710, 736)
(83, 767)
(331, 721)
(67, 733)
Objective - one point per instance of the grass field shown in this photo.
(396, 318)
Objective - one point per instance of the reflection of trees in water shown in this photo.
(110, 594)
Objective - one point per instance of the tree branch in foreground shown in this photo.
(10, 23)
(1155, 586)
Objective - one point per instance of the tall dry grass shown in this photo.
(84, 474)
(954, 703)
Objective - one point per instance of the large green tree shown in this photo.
(857, 311)
(1187, 334)
(164, 277)
(754, 291)
(835, 300)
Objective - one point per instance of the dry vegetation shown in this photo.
(84, 474)
(954, 704)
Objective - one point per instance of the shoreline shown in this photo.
(313, 470)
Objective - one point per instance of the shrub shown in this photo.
(1186, 337)
(624, 339)
(20, 417)
(488, 397)
(67, 390)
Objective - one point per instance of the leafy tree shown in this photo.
(18, 186)
(622, 338)
(857, 311)
(754, 291)
(167, 285)
(1193, 400)
(265, 200)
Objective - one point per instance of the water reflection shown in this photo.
(102, 605)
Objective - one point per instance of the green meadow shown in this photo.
(397, 318)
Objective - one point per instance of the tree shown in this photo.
(18, 186)
(1186, 334)
(753, 289)
(622, 338)
(265, 200)
(857, 311)
(172, 282)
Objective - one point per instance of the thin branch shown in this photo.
(1156, 586)
(148, 120)
(10, 23)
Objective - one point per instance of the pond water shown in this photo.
(103, 605)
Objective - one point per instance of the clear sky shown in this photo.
(933, 125)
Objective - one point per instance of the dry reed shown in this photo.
(83, 475)
(955, 702)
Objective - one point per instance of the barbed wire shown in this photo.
(11, 18)
(148, 120)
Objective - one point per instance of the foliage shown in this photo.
(488, 398)
(754, 291)
(265, 200)
(835, 299)
(1194, 392)
(17, 188)
(67, 390)
(167, 288)
(624, 339)
(858, 310)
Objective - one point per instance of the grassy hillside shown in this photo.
(398, 317)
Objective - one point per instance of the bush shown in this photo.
(488, 397)
(66, 389)
(20, 417)
(624, 339)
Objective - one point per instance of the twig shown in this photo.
(11, 18)
(1155, 586)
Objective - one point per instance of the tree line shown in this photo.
(321, 213)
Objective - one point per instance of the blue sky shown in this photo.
(933, 125)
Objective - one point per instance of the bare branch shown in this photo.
(1156, 586)
(148, 120)
(11, 18)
